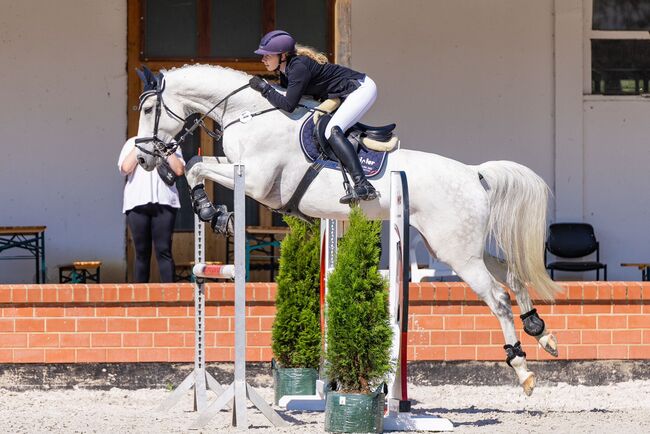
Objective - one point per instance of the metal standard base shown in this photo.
(239, 390)
(408, 422)
(199, 383)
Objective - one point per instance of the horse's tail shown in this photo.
(518, 200)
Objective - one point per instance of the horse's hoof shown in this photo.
(549, 343)
(529, 384)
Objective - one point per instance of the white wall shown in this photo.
(470, 80)
(62, 124)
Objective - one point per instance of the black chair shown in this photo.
(570, 241)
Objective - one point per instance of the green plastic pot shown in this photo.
(354, 412)
(293, 381)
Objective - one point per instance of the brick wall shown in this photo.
(155, 323)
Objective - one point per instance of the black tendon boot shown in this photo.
(363, 190)
(201, 204)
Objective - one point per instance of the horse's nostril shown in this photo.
(140, 160)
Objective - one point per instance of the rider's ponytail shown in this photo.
(312, 53)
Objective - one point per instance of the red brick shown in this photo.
(258, 339)
(181, 354)
(419, 338)
(121, 324)
(91, 355)
(567, 309)
(633, 291)
(619, 291)
(589, 292)
(43, 340)
(29, 325)
(490, 353)
(566, 337)
(581, 322)
(106, 340)
(121, 355)
(6, 355)
(19, 295)
(605, 292)
(6, 325)
(65, 293)
(152, 324)
(646, 336)
(596, 337)
(186, 293)
(91, 324)
(80, 311)
(496, 338)
(612, 321)
(5, 294)
(75, 340)
(172, 311)
(448, 309)
(633, 321)
(181, 324)
(227, 310)
(485, 322)
(60, 355)
(137, 339)
(29, 356)
(153, 355)
(582, 352)
(627, 337)
(429, 353)
(219, 354)
(110, 293)
(420, 309)
(43, 312)
(168, 340)
(460, 353)
(422, 322)
(50, 295)
(17, 312)
(221, 324)
(140, 294)
(253, 354)
(266, 323)
(34, 295)
(475, 338)
(627, 308)
(79, 293)
(479, 309)
(125, 294)
(457, 293)
(95, 293)
(142, 311)
(224, 339)
(555, 322)
(266, 354)
(252, 324)
(459, 323)
(156, 293)
(639, 352)
(106, 311)
(575, 292)
(13, 340)
(60, 325)
(596, 308)
(260, 310)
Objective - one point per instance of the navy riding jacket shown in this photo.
(305, 76)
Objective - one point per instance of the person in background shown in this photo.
(150, 204)
(304, 71)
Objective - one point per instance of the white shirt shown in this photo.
(144, 187)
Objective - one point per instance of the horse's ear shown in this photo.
(147, 77)
(141, 75)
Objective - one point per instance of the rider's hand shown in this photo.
(258, 84)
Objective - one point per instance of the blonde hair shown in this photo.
(312, 53)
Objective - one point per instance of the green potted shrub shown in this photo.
(358, 331)
(296, 330)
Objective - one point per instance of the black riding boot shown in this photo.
(363, 190)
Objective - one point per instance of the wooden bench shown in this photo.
(80, 272)
(183, 270)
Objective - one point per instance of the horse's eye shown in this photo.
(148, 110)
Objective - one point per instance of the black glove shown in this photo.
(166, 173)
(258, 84)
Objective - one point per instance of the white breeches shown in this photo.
(353, 107)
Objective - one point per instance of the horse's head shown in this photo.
(159, 122)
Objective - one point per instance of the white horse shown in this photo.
(455, 211)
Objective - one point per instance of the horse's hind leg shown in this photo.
(533, 324)
(475, 273)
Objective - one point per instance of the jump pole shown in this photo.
(399, 416)
(199, 379)
(239, 389)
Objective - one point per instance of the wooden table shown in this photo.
(30, 238)
(644, 267)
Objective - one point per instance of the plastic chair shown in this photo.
(572, 241)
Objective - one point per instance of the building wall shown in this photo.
(503, 79)
(63, 87)
(155, 323)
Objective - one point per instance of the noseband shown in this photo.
(162, 149)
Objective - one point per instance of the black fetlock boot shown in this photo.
(201, 204)
(363, 190)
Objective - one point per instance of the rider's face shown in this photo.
(271, 61)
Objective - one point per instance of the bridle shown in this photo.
(162, 149)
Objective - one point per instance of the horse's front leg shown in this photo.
(196, 171)
(533, 325)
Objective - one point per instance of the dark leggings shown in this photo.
(152, 222)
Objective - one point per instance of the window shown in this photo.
(229, 29)
(618, 46)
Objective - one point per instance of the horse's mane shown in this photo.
(201, 67)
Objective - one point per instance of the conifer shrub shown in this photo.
(296, 329)
(358, 323)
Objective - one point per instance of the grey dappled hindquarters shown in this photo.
(620, 407)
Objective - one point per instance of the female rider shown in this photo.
(303, 71)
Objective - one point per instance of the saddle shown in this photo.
(372, 143)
